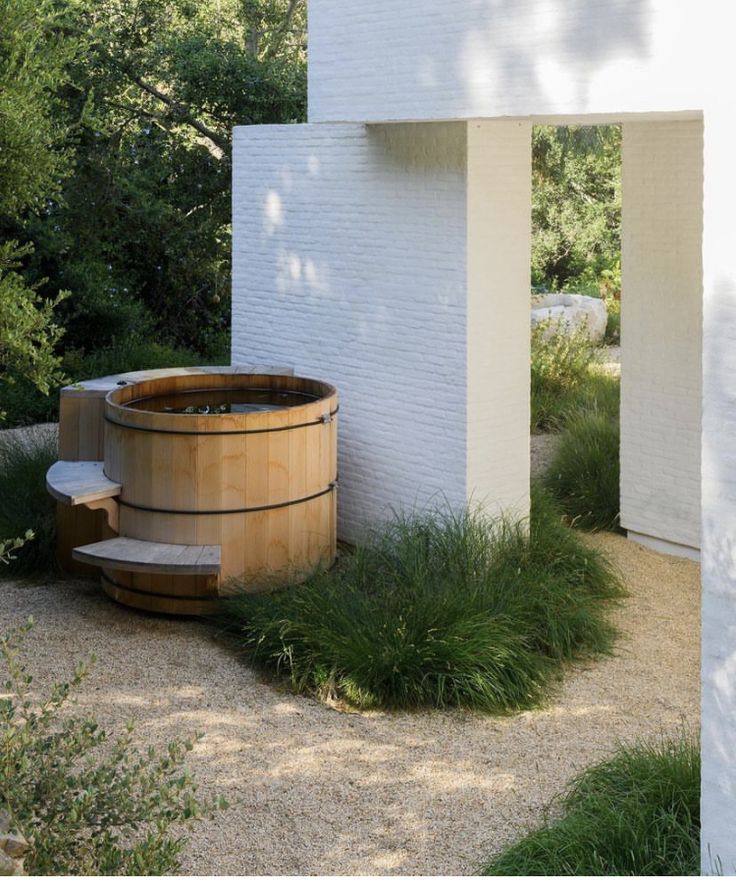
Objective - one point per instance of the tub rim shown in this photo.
(322, 409)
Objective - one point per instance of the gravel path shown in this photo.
(317, 791)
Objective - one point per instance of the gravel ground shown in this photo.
(321, 792)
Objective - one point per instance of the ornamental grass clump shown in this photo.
(637, 814)
(25, 505)
(85, 803)
(584, 475)
(566, 380)
(438, 610)
(560, 365)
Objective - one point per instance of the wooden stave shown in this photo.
(154, 601)
(275, 542)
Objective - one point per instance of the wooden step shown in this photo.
(142, 556)
(80, 482)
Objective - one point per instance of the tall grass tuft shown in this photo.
(613, 326)
(565, 381)
(584, 474)
(439, 610)
(635, 815)
(559, 371)
(25, 456)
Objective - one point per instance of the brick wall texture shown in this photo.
(349, 258)
(354, 251)
(433, 59)
(661, 317)
(718, 639)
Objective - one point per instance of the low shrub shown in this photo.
(584, 475)
(635, 815)
(9, 548)
(601, 393)
(609, 288)
(566, 380)
(24, 405)
(437, 610)
(25, 505)
(598, 392)
(87, 804)
(560, 358)
(613, 325)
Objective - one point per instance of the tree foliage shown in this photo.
(28, 331)
(576, 208)
(141, 233)
(34, 157)
(34, 53)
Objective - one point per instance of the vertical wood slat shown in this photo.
(81, 437)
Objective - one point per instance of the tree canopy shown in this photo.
(34, 159)
(576, 206)
(129, 203)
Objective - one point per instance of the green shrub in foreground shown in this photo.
(584, 474)
(25, 456)
(88, 805)
(9, 548)
(635, 815)
(437, 610)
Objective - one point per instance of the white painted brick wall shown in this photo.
(662, 298)
(719, 474)
(433, 59)
(498, 376)
(349, 257)
(351, 264)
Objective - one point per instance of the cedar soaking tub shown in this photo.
(220, 476)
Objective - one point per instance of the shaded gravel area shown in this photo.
(317, 791)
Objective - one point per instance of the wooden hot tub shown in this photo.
(222, 475)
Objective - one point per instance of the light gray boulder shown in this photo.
(571, 312)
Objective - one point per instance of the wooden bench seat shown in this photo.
(80, 482)
(142, 556)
